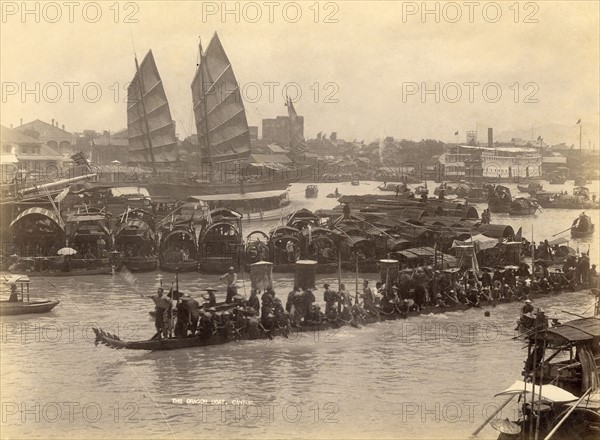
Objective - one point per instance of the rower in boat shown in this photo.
(230, 279)
(253, 301)
(211, 300)
(163, 308)
(14, 296)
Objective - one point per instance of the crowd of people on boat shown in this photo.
(411, 290)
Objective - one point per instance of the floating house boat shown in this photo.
(178, 248)
(136, 240)
(221, 244)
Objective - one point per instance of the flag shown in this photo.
(519, 234)
(128, 277)
(578, 121)
(61, 196)
(80, 159)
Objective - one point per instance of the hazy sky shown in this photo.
(372, 63)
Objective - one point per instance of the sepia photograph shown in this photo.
(300, 219)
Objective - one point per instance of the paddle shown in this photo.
(491, 416)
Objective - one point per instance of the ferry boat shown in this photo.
(498, 163)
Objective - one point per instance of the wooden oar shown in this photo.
(561, 232)
(489, 419)
(574, 314)
(558, 425)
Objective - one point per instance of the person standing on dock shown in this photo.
(230, 278)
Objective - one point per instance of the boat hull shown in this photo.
(144, 264)
(23, 308)
(113, 341)
(182, 266)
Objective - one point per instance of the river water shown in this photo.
(427, 377)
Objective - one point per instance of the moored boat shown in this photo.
(499, 199)
(135, 240)
(178, 248)
(221, 243)
(523, 206)
(311, 191)
(530, 187)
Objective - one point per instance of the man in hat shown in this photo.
(527, 307)
(211, 300)
(367, 295)
(14, 297)
(162, 308)
(230, 278)
(327, 298)
(439, 301)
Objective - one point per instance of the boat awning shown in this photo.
(76, 218)
(10, 279)
(480, 240)
(559, 240)
(237, 196)
(130, 191)
(585, 329)
(353, 240)
(39, 211)
(550, 393)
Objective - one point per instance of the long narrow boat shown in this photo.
(113, 341)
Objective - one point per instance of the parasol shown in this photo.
(66, 251)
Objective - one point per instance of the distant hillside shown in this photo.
(554, 134)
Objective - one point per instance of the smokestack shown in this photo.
(21, 121)
(53, 122)
(63, 127)
(491, 137)
(56, 123)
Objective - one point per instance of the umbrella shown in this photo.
(66, 251)
(116, 162)
(511, 267)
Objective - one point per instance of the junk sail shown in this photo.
(218, 108)
(151, 130)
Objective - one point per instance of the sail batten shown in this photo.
(151, 130)
(221, 123)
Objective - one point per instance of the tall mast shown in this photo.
(142, 92)
(205, 111)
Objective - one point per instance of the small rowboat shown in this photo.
(22, 306)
